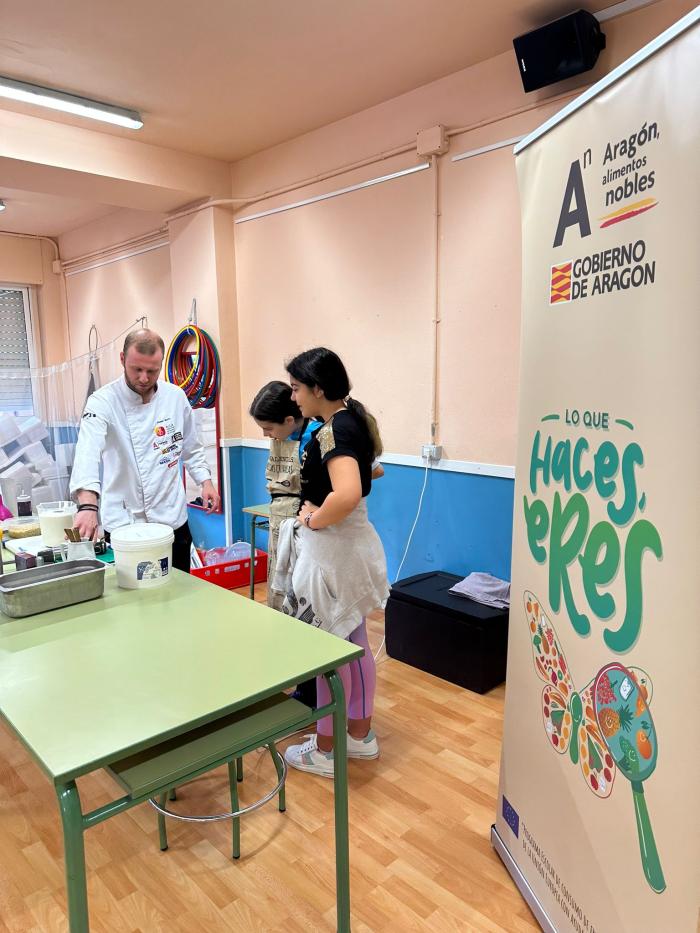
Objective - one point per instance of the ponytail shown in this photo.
(370, 422)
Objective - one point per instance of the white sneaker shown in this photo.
(363, 748)
(309, 757)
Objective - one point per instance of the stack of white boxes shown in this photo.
(26, 464)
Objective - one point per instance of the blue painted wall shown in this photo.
(207, 530)
(465, 523)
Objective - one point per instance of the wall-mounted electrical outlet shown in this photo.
(431, 452)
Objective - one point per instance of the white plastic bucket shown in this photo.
(143, 555)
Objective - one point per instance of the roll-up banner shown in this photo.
(600, 775)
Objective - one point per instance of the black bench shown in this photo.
(450, 636)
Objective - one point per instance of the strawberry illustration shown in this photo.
(606, 694)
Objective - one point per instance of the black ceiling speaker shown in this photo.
(559, 50)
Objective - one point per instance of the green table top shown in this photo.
(262, 510)
(88, 684)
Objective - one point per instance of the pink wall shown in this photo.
(202, 262)
(52, 310)
(113, 296)
(157, 274)
(356, 272)
(116, 227)
(20, 260)
(480, 295)
(29, 261)
(350, 273)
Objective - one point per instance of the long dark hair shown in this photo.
(274, 403)
(324, 368)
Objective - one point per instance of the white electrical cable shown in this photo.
(415, 522)
(408, 543)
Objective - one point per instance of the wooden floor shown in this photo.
(419, 836)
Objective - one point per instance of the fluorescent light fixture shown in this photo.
(69, 103)
(3, 206)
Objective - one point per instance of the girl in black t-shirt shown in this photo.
(340, 573)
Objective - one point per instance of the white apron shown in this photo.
(283, 475)
(128, 452)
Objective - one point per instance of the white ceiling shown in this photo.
(227, 78)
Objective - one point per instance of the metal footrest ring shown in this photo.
(216, 817)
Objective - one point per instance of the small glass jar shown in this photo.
(24, 505)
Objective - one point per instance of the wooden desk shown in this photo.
(259, 518)
(90, 684)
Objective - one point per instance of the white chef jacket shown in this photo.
(140, 447)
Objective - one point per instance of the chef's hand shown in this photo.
(210, 497)
(86, 523)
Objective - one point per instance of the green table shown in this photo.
(8, 560)
(259, 518)
(88, 685)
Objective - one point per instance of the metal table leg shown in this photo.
(252, 555)
(340, 794)
(74, 849)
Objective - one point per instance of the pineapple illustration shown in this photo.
(612, 720)
(609, 721)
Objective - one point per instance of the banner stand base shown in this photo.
(521, 883)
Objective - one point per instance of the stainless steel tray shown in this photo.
(40, 589)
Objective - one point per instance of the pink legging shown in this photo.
(359, 679)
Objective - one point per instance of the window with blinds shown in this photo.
(15, 352)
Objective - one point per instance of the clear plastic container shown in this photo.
(240, 550)
(54, 518)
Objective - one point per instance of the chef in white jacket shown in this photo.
(134, 434)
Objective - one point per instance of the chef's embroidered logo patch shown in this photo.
(164, 427)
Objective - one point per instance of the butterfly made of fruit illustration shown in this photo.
(569, 715)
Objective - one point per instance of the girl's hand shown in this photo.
(308, 508)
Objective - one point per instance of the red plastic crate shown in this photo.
(234, 574)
